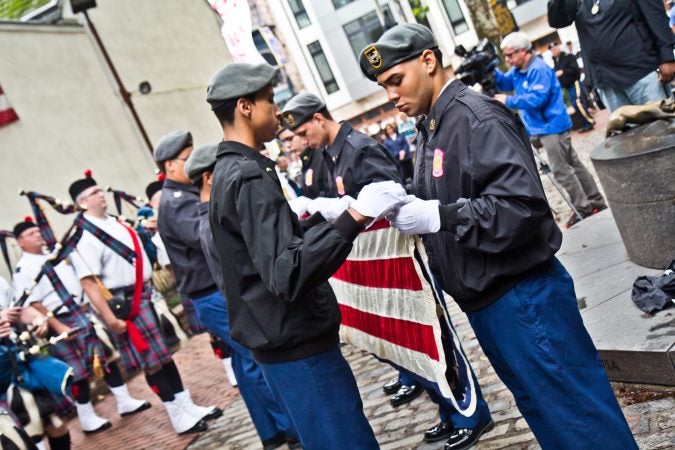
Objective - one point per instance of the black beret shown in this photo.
(23, 226)
(397, 45)
(300, 109)
(238, 80)
(152, 188)
(81, 185)
(170, 145)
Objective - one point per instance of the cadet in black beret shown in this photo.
(482, 213)
(352, 159)
(271, 264)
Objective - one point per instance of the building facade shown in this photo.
(323, 38)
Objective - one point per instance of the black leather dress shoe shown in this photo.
(275, 441)
(293, 443)
(213, 414)
(406, 394)
(197, 428)
(392, 387)
(438, 432)
(464, 438)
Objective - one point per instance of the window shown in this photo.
(456, 16)
(322, 66)
(299, 12)
(364, 30)
(337, 4)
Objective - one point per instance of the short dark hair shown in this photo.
(324, 112)
(225, 111)
(438, 54)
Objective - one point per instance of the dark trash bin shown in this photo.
(637, 171)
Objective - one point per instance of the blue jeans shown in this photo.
(647, 89)
(321, 396)
(536, 341)
(267, 415)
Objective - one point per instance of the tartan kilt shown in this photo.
(194, 324)
(78, 353)
(146, 321)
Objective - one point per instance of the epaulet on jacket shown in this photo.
(476, 103)
(249, 169)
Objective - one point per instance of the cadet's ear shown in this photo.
(428, 59)
(244, 107)
(319, 118)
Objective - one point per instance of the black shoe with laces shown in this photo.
(465, 438)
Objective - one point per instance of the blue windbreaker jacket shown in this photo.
(538, 97)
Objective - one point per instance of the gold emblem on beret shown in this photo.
(374, 57)
(289, 118)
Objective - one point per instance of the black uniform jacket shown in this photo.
(622, 43)
(568, 64)
(275, 273)
(179, 229)
(314, 174)
(356, 160)
(209, 247)
(474, 155)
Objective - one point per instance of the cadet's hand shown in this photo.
(667, 72)
(417, 217)
(118, 326)
(378, 199)
(330, 208)
(501, 98)
(299, 205)
(401, 155)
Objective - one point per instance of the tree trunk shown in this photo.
(481, 16)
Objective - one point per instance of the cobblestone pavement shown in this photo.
(652, 422)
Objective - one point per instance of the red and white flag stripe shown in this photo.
(388, 308)
(7, 113)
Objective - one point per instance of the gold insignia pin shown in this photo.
(432, 125)
(374, 57)
(268, 169)
(289, 119)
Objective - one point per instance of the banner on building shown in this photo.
(237, 30)
(7, 113)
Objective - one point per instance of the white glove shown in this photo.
(417, 217)
(330, 208)
(299, 205)
(378, 199)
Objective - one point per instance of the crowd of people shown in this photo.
(250, 245)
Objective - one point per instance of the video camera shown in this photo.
(478, 66)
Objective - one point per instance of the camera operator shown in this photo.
(538, 97)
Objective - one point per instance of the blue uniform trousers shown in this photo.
(266, 412)
(321, 396)
(536, 341)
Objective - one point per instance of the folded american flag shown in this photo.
(389, 309)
